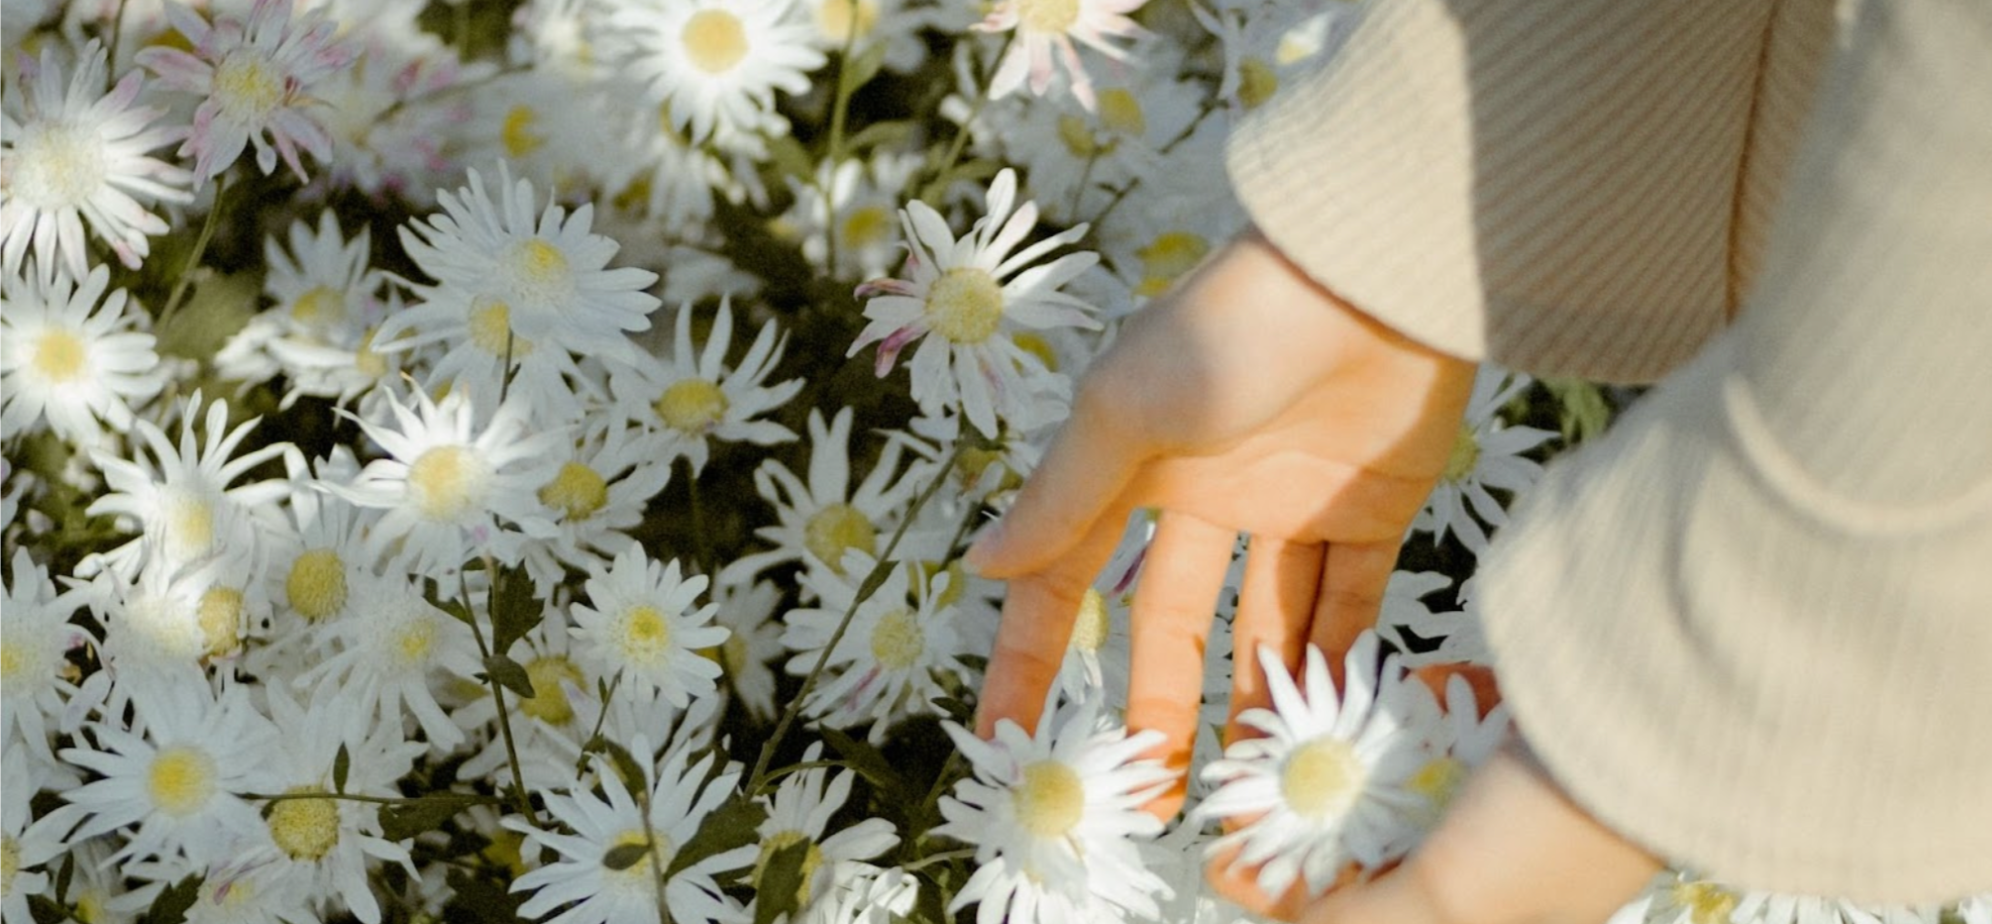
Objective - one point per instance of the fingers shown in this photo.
(1353, 579)
(1275, 607)
(1170, 623)
(1086, 469)
(1037, 625)
(1513, 849)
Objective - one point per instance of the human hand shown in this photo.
(1513, 849)
(1250, 400)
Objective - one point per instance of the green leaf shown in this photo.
(862, 68)
(778, 888)
(865, 759)
(46, 911)
(789, 156)
(633, 777)
(456, 608)
(1583, 409)
(342, 764)
(510, 675)
(961, 712)
(514, 609)
(891, 134)
(624, 856)
(482, 898)
(735, 824)
(427, 813)
(170, 906)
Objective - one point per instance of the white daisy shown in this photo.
(817, 522)
(596, 496)
(181, 497)
(255, 77)
(24, 846)
(645, 625)
(179, 782)
(1488, 454)
(883, 896)
(718, 62)
(884, 667)
(323, 294)
(66, 357)
(1056, 820)
(35, 634)
(1681, 898)
(1328, 786)
(396, 115)
(1097, 656)
(971, 294)
(593, 893)
(394, 654)
(72, 153)
(799, 812)
(549, 727)
(1465, 738)
(753, 640)
(1044, 32)
(453, 489)
(694, 397)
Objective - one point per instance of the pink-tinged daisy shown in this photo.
(716, 64)
(257, 78)
(71, 356)
(1045, 28)
(1330, 782)
(1057, 820)
(70, 153)
(971, 294)
(453, 489)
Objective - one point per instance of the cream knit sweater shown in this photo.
(1752, 628)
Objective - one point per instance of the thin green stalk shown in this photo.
(349, 797)
(525, 804)
(941, 857)
(872, 580)
(200, 250)
(839, 111)
(581, 766)
(701, 540)
(111, 52)
(961, 137)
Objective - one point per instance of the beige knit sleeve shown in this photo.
(1752, 628)
(1572, 188)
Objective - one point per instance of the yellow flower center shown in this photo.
(516, 132)
(189, 527)
(965, 305)
(714, 40)
(897, 640)
(246, 88)
(1047, 15)
(181, 780)
(316, 584)
(692, 406)
(10, 863)
(1168, 256)
(18, 662)
(835, 18)
(1465, 456)
(868, 225)
(220, 615)
(369, 363)
(307, 829)
(733, 654)
(538, 273)
(640, 871)
(1256, 83)
(60, 356)
(1078, 138)
(448, 482)
(646, 634)
(490, 325)
(577, 492)
(58, 165)
(1438, 781)
(414, 641)
(1089, 630)
(1322, 779)
(836, 529)
(780, 840)
(1706, 902)
(549, 703)
(1120, 112)
(1050, 800)
(321, 307)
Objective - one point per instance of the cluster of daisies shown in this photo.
(458, 463)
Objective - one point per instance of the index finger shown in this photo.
(1038, 613)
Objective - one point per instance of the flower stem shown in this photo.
(870, 585)
(938, 189)
(200, 250)
(839, 111)
(525, 804)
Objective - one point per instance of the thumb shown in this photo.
(1087, 467)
